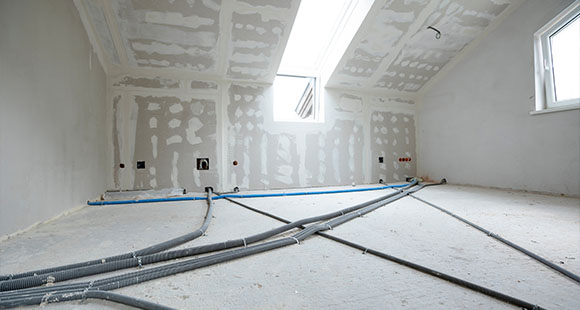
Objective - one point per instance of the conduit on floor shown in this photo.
(156, 248)
(74, 273)
(169, 199)
(538, 258)
(125, 300)
(67, 292)
(463, 283)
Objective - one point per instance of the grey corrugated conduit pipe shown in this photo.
(538, 258)
(125, 300)
(156, 248)
(59, 276)
(68, 291)
(365, 250)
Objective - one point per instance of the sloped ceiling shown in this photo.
(393, 51)
(233, 39)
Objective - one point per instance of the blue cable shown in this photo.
(120, 202)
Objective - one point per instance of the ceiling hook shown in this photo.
(438, 34)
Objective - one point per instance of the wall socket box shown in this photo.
(203, 164)
(141, 164)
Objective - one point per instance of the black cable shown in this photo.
(125, 300)
(505, 241)
(60, 292)
(59, 276)
(460, 282)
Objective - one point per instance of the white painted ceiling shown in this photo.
(393, 51)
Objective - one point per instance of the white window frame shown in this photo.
(544, 86)
(317, 115)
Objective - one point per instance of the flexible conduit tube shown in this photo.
(131, 201)
(58, 293)
(96, 294)
(148, 250)
(79, 272)
(505, 241)
(460, 282)
(125, 300)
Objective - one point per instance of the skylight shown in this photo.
(316, 24)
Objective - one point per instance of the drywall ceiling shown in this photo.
(231, 39)
(393, 51)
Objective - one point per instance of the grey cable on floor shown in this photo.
(538, 258)
(466, 284)
(156, 248)
(140, 261)
(67, 292)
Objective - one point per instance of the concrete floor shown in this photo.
(320, 273)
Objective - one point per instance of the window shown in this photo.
(557, 62)
(295, 99)
(313, 37)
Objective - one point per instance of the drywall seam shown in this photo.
(358, 37)
(222, 138)
(467, 50)
(413, 28)
(89, 29)
(50, 220)
(223, 46)
(174, 92)
(367, 156)
(112, 23)
(110, 183)
(419, 106)
(277, 58)
(175, 73)
(375, 91)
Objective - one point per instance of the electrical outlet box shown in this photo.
(141, 164)
(203, 164)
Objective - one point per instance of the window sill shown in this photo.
(558, 109)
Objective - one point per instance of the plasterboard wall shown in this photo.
(169, 123)
(475, 126)
(52, 113)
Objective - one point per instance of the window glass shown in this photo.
(565, 48)
(288, 92)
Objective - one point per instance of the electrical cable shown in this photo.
(156, 248)
(140, 261)
(443, 276)
(538, 258)
(60, 292)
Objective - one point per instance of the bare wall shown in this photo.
(52, 113)
(169, 123)
(475, 126)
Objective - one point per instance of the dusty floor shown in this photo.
(320, 273)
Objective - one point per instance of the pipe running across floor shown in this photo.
(73, 291)
(463, 283)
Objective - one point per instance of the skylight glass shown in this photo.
(315, 25)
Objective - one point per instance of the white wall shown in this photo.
(169, 123)
(474, 124)
(52, 113)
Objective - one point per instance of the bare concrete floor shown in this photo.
(320, 273)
